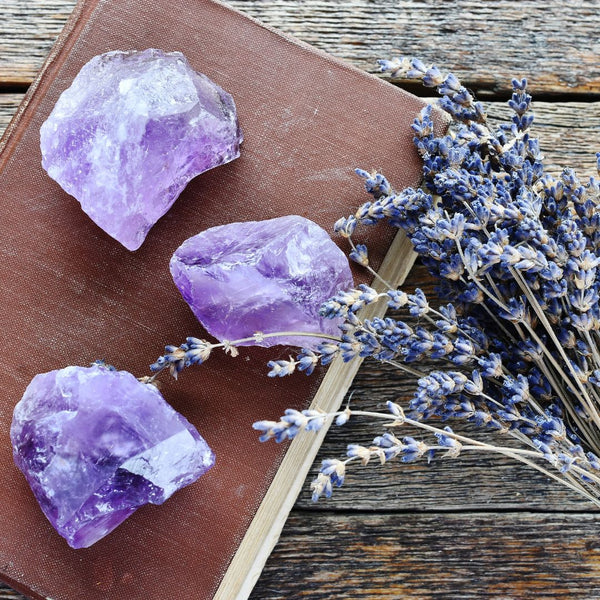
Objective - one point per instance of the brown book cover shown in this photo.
(71, 294)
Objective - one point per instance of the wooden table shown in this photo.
(456, 529)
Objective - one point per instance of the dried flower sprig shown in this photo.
(195, 351)
(387, 446)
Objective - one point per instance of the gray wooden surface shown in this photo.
(470, 528)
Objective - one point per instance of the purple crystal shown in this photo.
(95, 444)
(131, 131)
(262, 276)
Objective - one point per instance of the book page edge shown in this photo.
(265, 529)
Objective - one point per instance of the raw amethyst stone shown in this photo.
(131, 131)
(95, 444)
(262, 276)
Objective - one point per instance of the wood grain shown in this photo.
(27, 32)
(7, 593)
(8, 107)
(481, 556)
(554, 43)
(514, 556)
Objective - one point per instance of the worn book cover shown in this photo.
(70, 294)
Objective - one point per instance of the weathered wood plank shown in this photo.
(484, 42)
(8, 106)
(435, 557)
(7, 593)
(27, 32)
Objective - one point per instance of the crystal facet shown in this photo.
(95, 444)
(262, 276)
(131, 131)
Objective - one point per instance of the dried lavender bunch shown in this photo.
(515, 252)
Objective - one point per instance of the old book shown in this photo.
(71, 294)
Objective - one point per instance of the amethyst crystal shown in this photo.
(95, 444)
(262, 276)
(131, 131)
